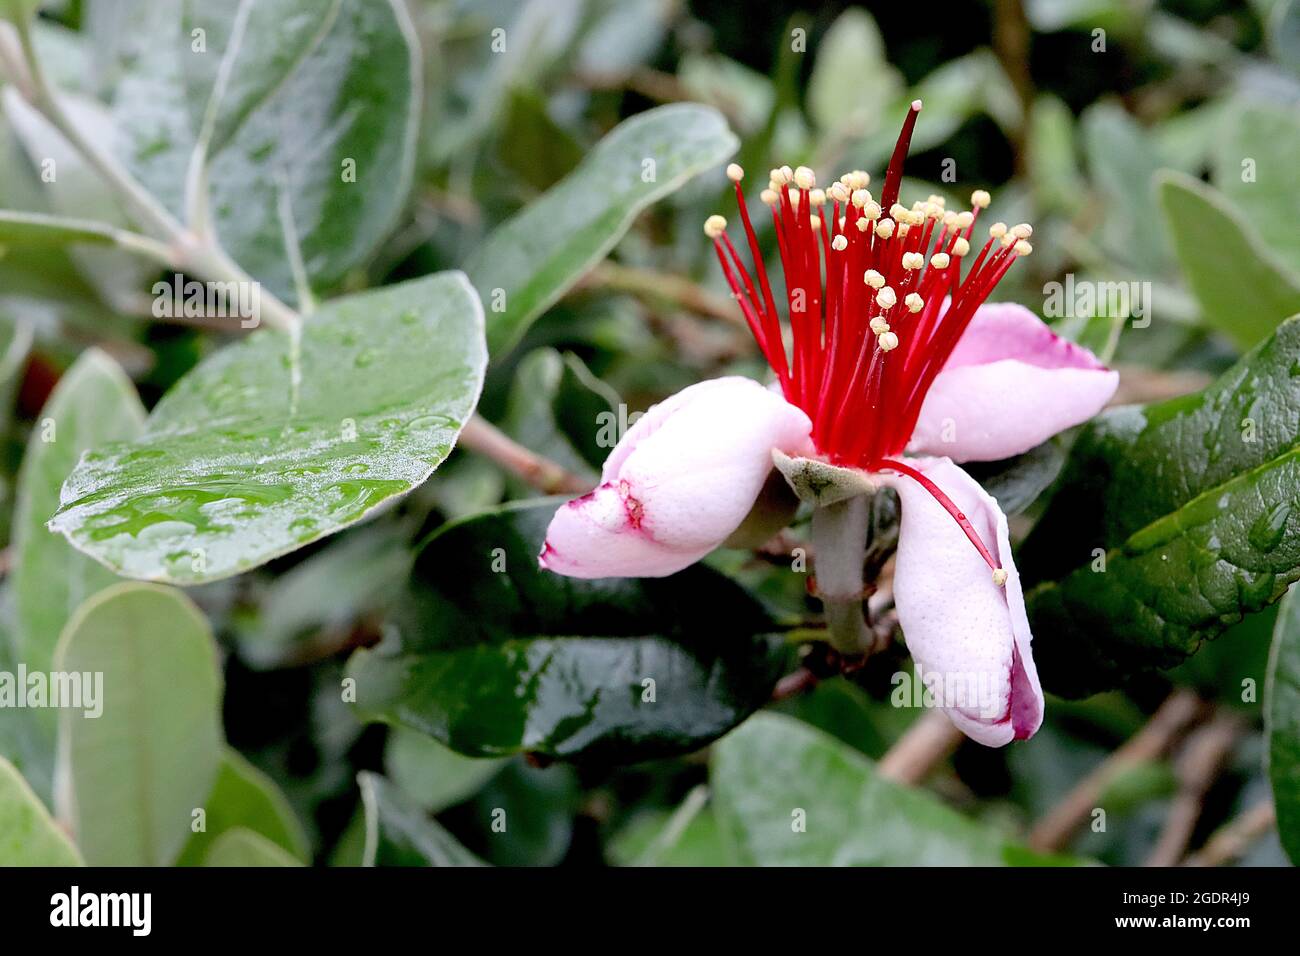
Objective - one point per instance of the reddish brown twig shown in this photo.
(481, 436)
(1182, 709)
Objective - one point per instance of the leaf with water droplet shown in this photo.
(1196, 501)
(499, 656)
(528, 262)
(313, 137)
(234, 468)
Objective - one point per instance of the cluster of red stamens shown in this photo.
(865, 285)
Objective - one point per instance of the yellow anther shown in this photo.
(903, 229)
(913, 260)
(961, 246)
(879, 325)
(885, 228)
(1022, 230)
(936, 199)
(861, 197)
(940, 260)
(965, 219)
(840, 243)
(886, 298)
(898, 211)
(735, 173)
(815, 222)
(998, 230)
(769, 197)
(863, 224)
(950, 220)
(871, 211)
(873, 278)
(888, 341)
(1023, 248)
(914, 302)
(1000, 577)
(839, 192)
(805, 178)
(980, 199)
(787, 174)
(714, 226)
(817, 197)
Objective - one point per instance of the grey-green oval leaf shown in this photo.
(312, 108)
(245, 799)
(237, 466)
(787, 794)
(1243, 287)
(93, 404)
(531, 260)
(139, 758)
(398, 833)
(28, 835)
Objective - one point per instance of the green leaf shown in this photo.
(319, 600)
(1017, 482)
(499, 656)
(137, 772)
(34, 228)
(851, 56)
(94, 403)
(1282, 723)
(1194, 504)
(431, 774)
(1265, 193)
(558, 409)
(77, 191)
(787, 794)
(237, 466)
(238, 847)
(399, 834)
(532, 259)
(313, 132)
(28, 835)
(1123, 159)
(1222, 255)
(245, 800)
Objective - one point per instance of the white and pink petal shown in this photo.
(969, 638)
(1010, 384)
(678, 484)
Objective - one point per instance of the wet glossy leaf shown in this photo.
(28, 835)
(1221, 254)
(398, 833)
(786, 794)
(93, 404)
(608, 666)
(313, 137)
(245, 799)
(531, 260)
(1282, 719)
(236, 465)
(1193, 504)
(136, 771)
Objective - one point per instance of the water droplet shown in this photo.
(1267, 531)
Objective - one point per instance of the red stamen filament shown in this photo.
(865, 287)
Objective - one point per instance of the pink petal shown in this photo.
(1010, 384)
(961, 628)
(678, 484)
